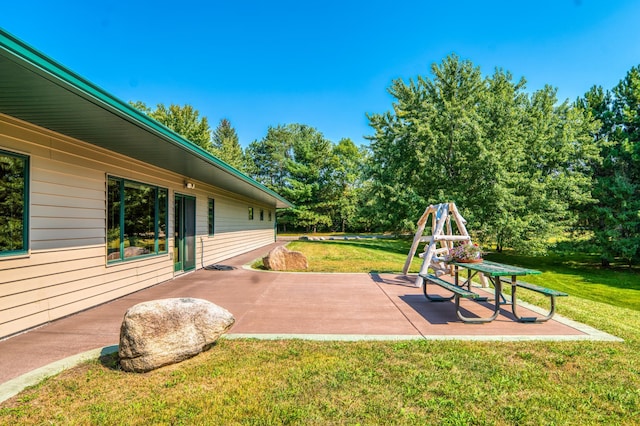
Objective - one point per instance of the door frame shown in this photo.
(183, 222)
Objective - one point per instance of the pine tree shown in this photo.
(615, 220)
(226, 145)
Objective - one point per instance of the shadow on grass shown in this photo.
(397, 246)
(109, 358)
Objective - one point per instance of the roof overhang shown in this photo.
(36, 89)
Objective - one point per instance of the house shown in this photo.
(97, 200)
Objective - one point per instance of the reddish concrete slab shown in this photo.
(267, 303)
(439, 318)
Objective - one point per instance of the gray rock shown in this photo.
(283, 259)
(163, 332)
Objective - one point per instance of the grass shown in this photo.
(582, 276)
(258, 382)
(363, 255)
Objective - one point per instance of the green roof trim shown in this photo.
(68, 96)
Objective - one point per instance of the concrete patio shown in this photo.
(277, 305)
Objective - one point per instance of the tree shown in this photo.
(426, 150)
(555, 172)
(184, 120)
(307, 182)
(321, 179)
(615, 219)
(515, 164)
(266, 160)
(226, 146)
(345, 188)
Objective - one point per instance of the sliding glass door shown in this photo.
(184, 250)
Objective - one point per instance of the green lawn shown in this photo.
(362, 255)
(408, 382)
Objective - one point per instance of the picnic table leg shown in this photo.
(547, 317)
(470, 275)
(468, 281)
(503, 300)
(496, 309)
(497, 284)
(476, 320)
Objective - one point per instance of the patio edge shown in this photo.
(13, 387)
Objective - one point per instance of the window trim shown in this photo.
(156, 221)
(211, 216)
(26, 201)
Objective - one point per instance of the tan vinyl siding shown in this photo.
(52, 284)
(224, 246)
(234, 232)
(66, 270)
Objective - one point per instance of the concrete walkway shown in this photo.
(276, 305)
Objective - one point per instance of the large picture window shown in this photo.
(14, 191)
(136, 219)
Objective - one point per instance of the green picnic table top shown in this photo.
(495, 269)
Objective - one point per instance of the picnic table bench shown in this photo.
(549, 292)
(457, 291)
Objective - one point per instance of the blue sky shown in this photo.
(326, 64)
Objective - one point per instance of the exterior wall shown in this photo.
(66, 269)
(232, 234)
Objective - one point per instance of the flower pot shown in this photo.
(470, 261)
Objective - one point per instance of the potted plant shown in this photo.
(465, 253)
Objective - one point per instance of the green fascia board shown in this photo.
(43, 65)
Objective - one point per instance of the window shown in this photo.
(261, 214)
(14, 214)
(212, 206)
(270, 217)
(136, 219)
(250, 213)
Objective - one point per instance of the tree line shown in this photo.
(522, 167)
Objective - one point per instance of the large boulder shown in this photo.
(283, 259)
(163, 332)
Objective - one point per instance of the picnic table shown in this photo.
(497, 274)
